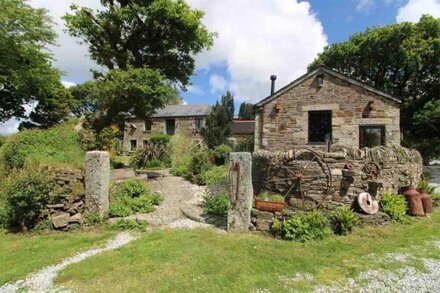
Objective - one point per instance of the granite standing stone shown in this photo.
(97, 182)
(240, 192)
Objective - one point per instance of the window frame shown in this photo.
(148, 122)
(135, 145)
(202, 122)
(382, 129)
(309, 113)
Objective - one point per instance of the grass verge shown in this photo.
(22, 254)
(204, 261)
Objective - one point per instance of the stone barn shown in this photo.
(326, 107)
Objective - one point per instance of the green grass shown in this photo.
(204, 261)
(22, 254)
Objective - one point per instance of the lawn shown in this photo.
(21, 254)
(205, 261)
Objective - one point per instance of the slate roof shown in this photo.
(329, 71)
(183, 111)
(243, 126)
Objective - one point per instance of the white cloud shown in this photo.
(218, 84)
(366, 5)
(71, 57)
(257, 38)
(194, 89)
(414, 9)
(68, 84)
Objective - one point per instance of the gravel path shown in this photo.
(42, 281)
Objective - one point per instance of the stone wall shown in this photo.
(396, 166)
(184, 125)
(287, 128)
(67, 206)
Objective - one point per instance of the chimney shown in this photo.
(273, 78)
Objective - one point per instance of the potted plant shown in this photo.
(425, 191)
(269, 202)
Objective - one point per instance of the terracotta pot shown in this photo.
(269, 206)
(410, 191)
(427, 204)
(415, 205)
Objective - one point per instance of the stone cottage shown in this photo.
(176, 119)
(242, 130)
(325, 107)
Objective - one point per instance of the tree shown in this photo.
(132, 92)
(159, 34)
(401, 59)
(246, 112)
(26, 72)
(217, 129)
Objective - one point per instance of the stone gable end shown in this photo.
(282, 123)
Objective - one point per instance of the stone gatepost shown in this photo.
(240, 192)
(97, 181)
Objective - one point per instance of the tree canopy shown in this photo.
(217, 129)
(134, 91)
(401, 59)
(246, 111)
(26, 72)
(158, 34)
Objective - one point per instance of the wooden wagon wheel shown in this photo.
(304, 180)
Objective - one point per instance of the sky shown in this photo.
(256, 38)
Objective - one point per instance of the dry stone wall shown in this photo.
(375, 170)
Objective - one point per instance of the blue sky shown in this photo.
(256, 38)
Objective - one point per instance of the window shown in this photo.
(133, 145)
(146, 142)
(170, 126)
(148, 124)
(199, 123)
(371, 136)
(320, 126)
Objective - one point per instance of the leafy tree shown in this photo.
(134, 91)
(218, 123)
(26, 73)
(246, 112)
(159, 34)
(404, 60)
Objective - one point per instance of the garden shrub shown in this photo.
(160, 139)
(180, 154)
(394, 206)
(93, 219)
(26, 194)
(306, 226)
(221, 154)
(215, 175)
(424, 186)
(343, 220)
(180, 170)
(245, 145)
(151, 154)
(436, 198)
(126, 224)
(271, 197)
(132, 196)
(57, 145)
(216, 205)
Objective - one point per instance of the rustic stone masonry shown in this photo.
(375, 170)
(67, 206)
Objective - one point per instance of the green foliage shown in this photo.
(181, 148)
(246, 112)
(266, 196)
(163, 35)
(218, 123)
(179, 170)
(343, 220)
(160, 139)
(26, 194)
(436, 198)
(132, 196)
(93, 219)
(215, 175)
(401, 59)
(305, 227)
(245, 145)
(221, 154)
(125, 224)
(200, 162)
(151, 155)
(57, 145)
(424, 186)
(394, 206)
(2, 140)
(216, 205)
(276, 227)
(26, 73)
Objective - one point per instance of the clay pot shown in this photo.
(268, 206)
(410, 191)
(415, 205)
(426, 201)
